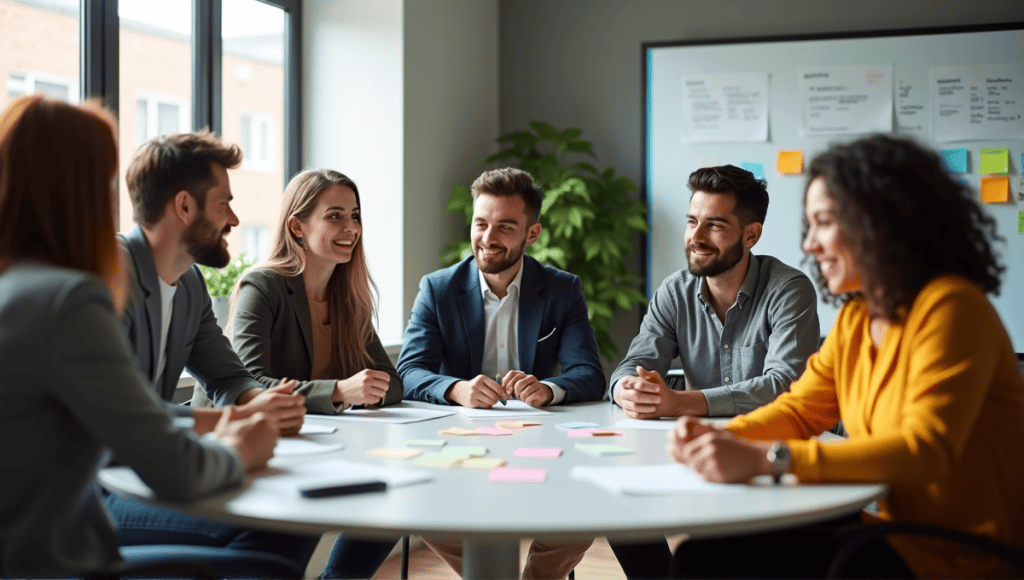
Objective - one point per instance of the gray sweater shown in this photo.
(69, 396)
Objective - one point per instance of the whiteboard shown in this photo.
(669, 160)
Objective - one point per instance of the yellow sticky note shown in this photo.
(483, 463)
(437, 460)
(458, 431)
(791, 162)
(994, 160)
(394, 452)
(995, 189)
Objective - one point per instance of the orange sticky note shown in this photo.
(995, 189)
(791, 162)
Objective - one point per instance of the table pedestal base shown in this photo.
(490, 560)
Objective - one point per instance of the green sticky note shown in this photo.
(994, 160)
(1020, 222)
(464, 452)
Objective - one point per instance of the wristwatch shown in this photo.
(779, 456)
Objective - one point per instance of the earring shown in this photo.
(301, 243)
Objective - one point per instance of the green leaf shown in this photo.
(545, 131)
(503, 155)
(220, 281)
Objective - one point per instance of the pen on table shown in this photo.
(497, 379)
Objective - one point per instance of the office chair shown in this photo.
(202, 562)
(854, 537)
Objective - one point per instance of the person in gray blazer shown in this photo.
(181, 194)
(70, 394)
(307, 313)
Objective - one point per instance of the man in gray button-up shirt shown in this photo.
(742, 325)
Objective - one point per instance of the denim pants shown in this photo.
(143, 524)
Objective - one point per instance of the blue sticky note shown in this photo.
(756, 168)
(955, 160)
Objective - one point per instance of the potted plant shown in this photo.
(589, 217)
(220, 282)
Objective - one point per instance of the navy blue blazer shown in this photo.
(444, 342)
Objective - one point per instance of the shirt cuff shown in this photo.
(720, 403)
(558, 392)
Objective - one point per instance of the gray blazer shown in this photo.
(271, 330)
(194, 340)
(69, 395)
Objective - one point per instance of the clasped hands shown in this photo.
(715, 453)
(483, 392)
(646, 396)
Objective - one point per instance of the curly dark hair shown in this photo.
(907, 218)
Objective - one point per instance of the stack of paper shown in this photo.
(512, 409)
(663, 479)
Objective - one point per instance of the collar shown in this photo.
(747, 289)
(517, 282)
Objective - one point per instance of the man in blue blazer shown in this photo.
(500, 325)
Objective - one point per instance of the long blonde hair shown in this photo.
(351, 293)
(57, 169)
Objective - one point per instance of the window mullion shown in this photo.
(98, 67)
(206, 69)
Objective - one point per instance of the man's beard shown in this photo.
(718, 264)
(202, 241)
(512, 256)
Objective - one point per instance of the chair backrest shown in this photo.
(1020, 361)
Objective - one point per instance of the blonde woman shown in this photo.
(307, 313)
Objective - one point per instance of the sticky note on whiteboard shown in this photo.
(994, 160)
(791, 162)
(756, 168)
(1020, 223)
(955, 160)
(995, 189)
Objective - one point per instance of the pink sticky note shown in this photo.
(586, 433)
(494, 431)
(538, 452)
(519, 475)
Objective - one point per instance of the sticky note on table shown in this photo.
(458, 431)
(464, 451)
(955, 160)
(494, 431)
(395, 452)
(577, 425)
(587, 433)
(995, 189)
(426, 443)
(791, 162)
(994, 160)
(482, 463)
(519, 475)
(516, 424)
(600, 449)
(437, 460)
(756, 168)
(538, 452)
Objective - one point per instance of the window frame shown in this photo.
(99, 29)
(31, 77)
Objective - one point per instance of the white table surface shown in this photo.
(491, 518)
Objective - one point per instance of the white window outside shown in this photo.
(255, 242)
(157, 114)
(28, 82)
(258, 139)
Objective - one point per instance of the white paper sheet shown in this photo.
(397, 413)
(977, 102)
(724, 108)
(513, 408)
(663, 424)
(336, 472)
(315, 428)
(843, 100)
(302, 446)
(665, 479)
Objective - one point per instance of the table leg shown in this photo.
(490, 559)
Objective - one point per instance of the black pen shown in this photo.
(497, 378)
(344, 489)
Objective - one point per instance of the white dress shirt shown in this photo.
(501, 332)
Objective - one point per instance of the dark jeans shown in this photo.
(352, 558)
(803, 552)
(143, 524)
(644, 561)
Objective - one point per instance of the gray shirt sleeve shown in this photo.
(93, 375)
(656, 345)
(793, 317)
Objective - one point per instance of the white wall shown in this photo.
(400, 95)
(577, 62)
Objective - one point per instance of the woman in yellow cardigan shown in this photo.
(918, 367)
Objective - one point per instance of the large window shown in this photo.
(39, 49)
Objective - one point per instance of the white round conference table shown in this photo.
(491, 518)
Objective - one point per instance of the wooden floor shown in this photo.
(599, 563)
